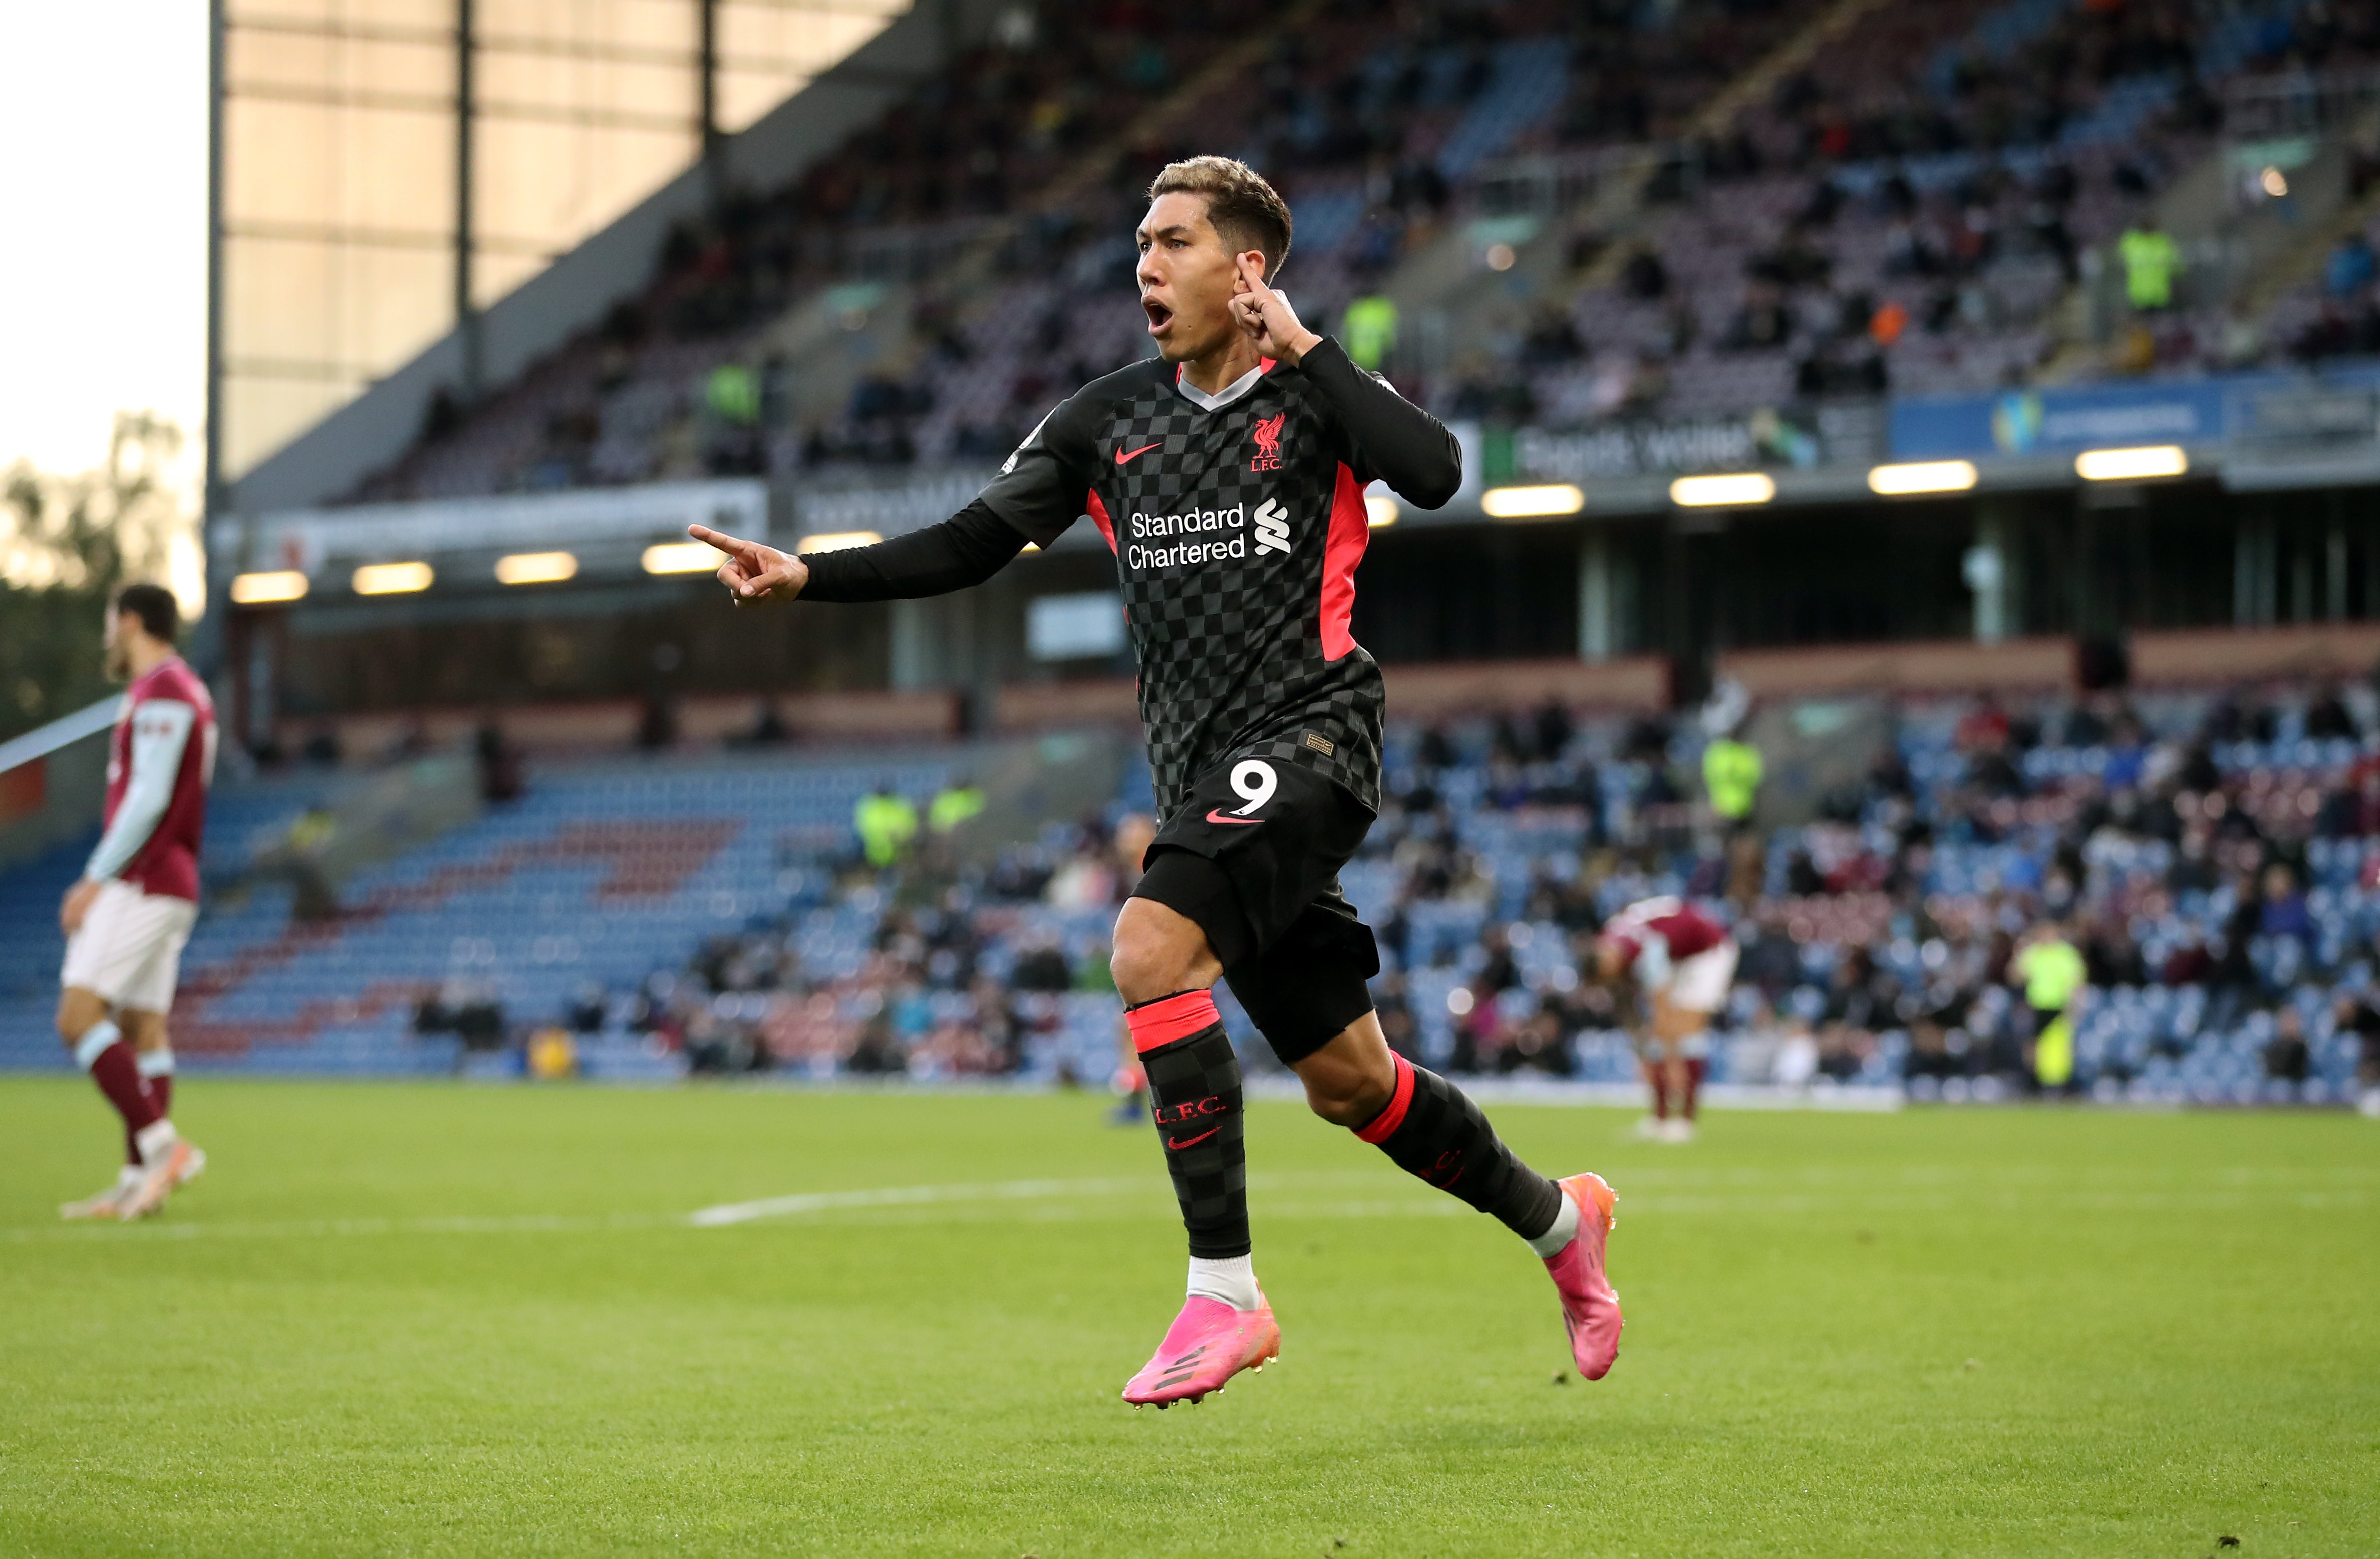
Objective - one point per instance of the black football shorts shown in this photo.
(1252, 857)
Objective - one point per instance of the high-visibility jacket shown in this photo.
(2151, 259)
(952, 806)
(886, 824)
(1731, 773)
(2053, 1053)
(1368, 330)
(2052, 972)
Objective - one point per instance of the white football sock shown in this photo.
(1231, 1280)
(158, 1063)
(1550, 1244)
(154, 1140)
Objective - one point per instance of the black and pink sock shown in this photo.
(1432, 1130)
(1194, 1096)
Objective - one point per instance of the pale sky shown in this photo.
(102, 254)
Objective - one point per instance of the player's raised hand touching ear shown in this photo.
(754, 573)
(1266, 315)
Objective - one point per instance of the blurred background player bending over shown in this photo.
(1685, 964)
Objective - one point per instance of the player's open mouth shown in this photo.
(1161, 315)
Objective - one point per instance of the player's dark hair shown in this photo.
(154, 604)
(1244, 210)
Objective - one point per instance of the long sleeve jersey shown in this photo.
(1237, 520)
(161, 758)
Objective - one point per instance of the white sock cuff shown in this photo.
(95, 1039)
(153, 1140)
(158, 1063)
(1231, 1280)
(1550, 1244)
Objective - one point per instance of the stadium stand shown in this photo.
(2215, 857)
(921, 296)
(1929, 199)
(1918, 210)
(592, 865)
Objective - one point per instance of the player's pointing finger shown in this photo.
(733, 546)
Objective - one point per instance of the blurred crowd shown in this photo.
(1994, 872)
(898, 958)
(1942, 183)
(1911, 215)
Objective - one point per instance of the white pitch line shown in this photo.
(906, 1196)
(732, 1213)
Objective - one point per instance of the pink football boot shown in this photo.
(1209, 1343)
(1590, 1305)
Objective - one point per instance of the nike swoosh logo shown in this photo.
(1122, 456)
(1178, 1144)
(1217, 816)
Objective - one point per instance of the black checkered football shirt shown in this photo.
(1237, 521)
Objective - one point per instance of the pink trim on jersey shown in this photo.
(1263, 365)
(1099, 517)
(1351, 533)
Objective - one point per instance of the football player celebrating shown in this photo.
(1227, 475)
(128, 919)
(1685, 965)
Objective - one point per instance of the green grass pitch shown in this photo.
(431, 1320)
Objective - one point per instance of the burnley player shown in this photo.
(128, 919)
(1227, 475)
(1683, 963)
